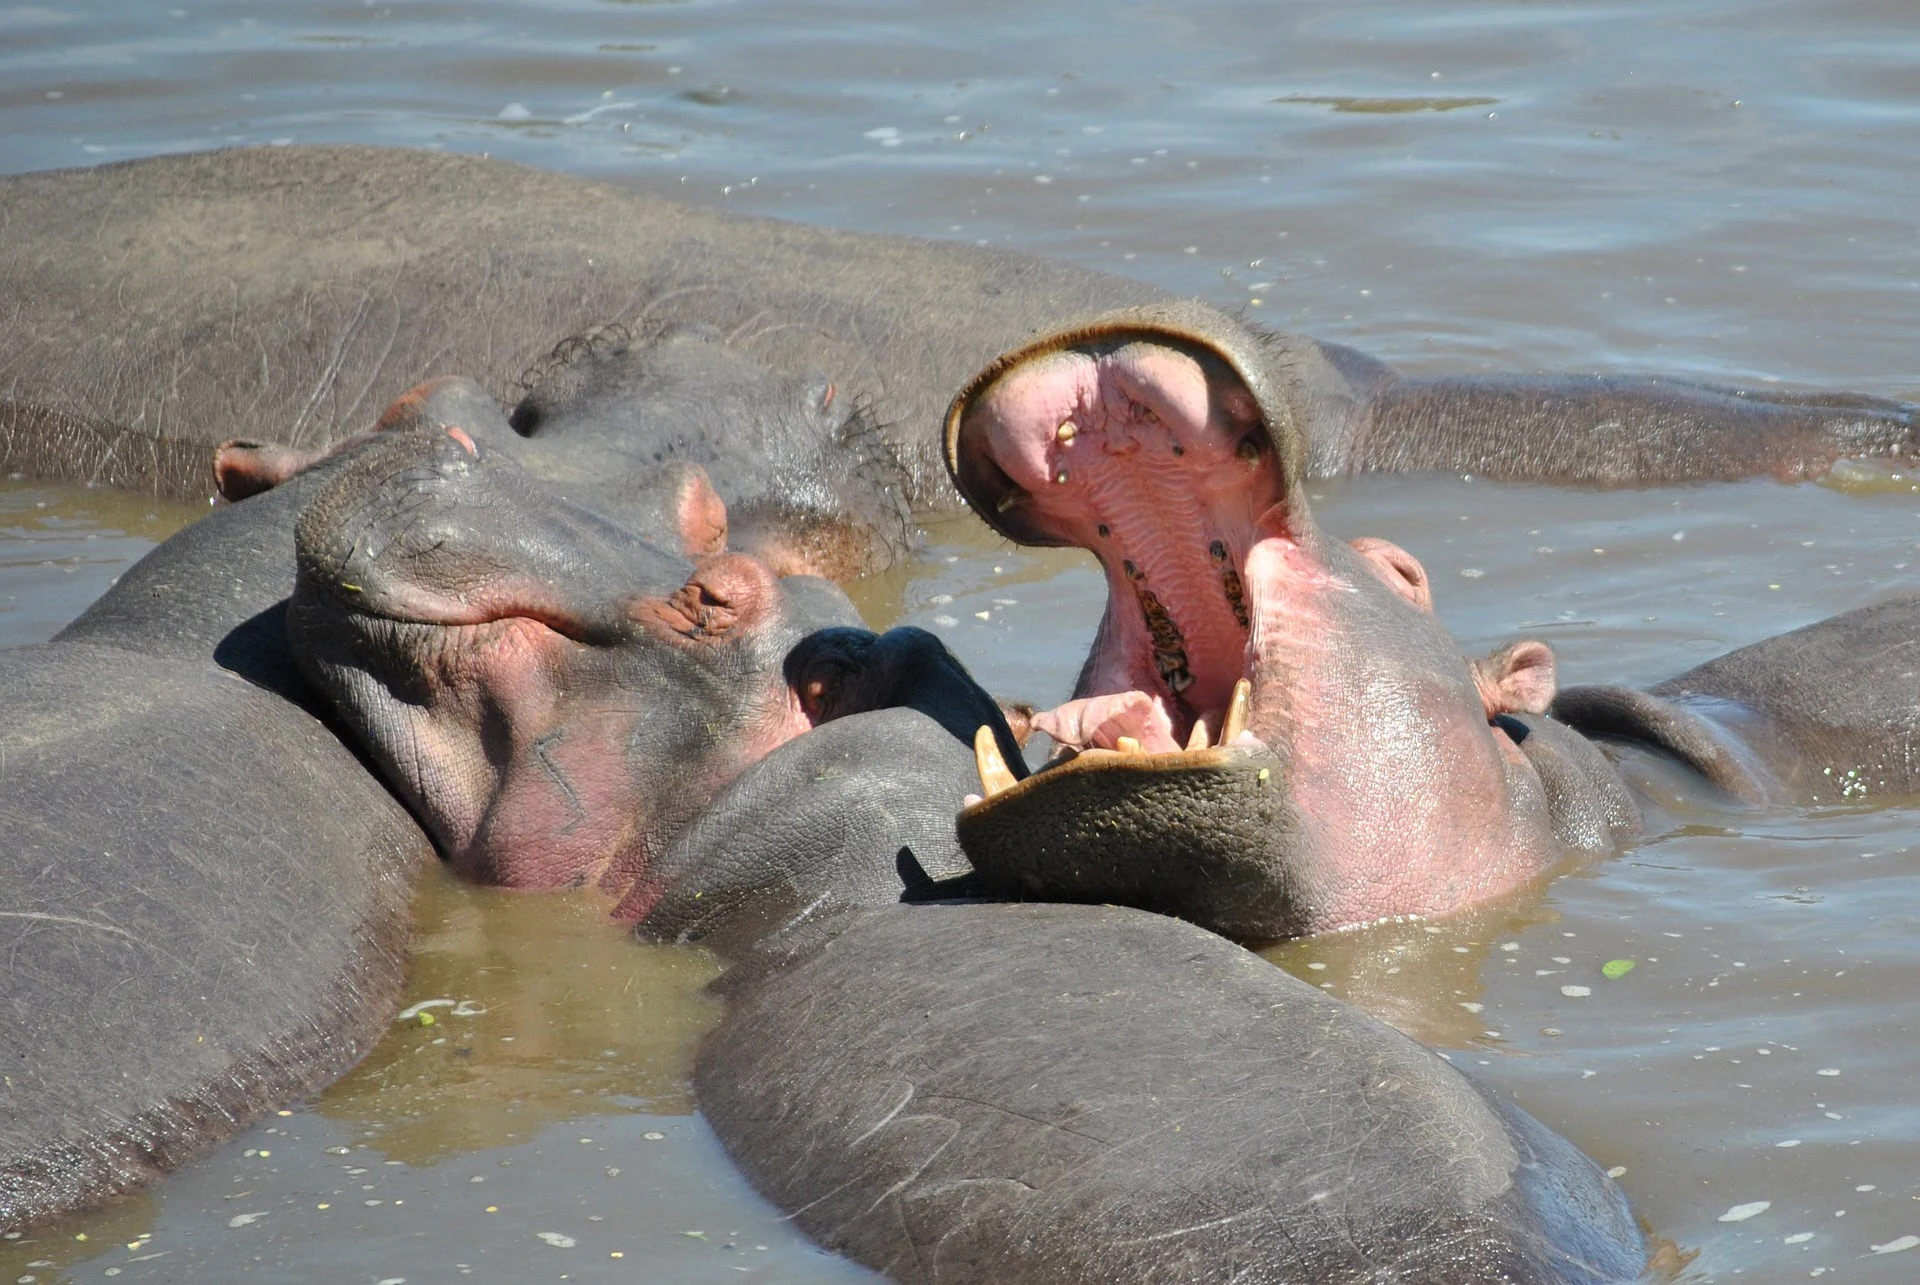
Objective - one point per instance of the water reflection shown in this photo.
(522, 1010)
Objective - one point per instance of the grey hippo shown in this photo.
(942, 1086)
(159, 307)
(206, 905)
(1274, 734)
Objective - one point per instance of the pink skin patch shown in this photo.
(516, 739)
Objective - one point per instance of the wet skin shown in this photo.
(1275, 734)
(558, 699)
(982, 1092)
(462, 618)
(285, 294)
(1057, 1093)
(205, 906)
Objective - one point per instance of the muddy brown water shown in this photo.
(1722, 188)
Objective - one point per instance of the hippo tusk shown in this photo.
(1197, 740)
(1236, 721)
(994, 775)
(1128, 745)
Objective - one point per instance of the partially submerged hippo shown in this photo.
(285, 294)
(984, 1092)
(557, 712)
(1061, 1094)
(1279, 735)
(204, 895)
(555, 697)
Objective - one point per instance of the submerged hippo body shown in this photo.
(204, 895)
(1275, 734)
(977, 1092)
(285, 294)
(1051, 1093)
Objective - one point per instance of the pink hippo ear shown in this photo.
(1400, 570)
(242, 469)
(699, 514)
(1517, 679)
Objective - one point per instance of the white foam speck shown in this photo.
(515, 111)
(1576, 992)
(1895, 1246)
(1828, 1070)
(558, 1239)
(1740, 1213)
(1799, 1238)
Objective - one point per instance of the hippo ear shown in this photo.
(699, 514)
(241, 468)
(1517, 679)
(1400, 570)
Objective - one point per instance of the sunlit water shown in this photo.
(1716, 187)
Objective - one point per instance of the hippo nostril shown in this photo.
(525, 420)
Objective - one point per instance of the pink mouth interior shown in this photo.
(1158, 461)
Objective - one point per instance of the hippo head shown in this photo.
(810, 484)
(1276, 735)
(552, 694)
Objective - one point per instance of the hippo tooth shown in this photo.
(1128, 745)
(994, 775)
(1237, 712)
(1064, 433)
(1197, 740)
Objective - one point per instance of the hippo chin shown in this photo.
(1274, 735)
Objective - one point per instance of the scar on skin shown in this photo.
(66, 919)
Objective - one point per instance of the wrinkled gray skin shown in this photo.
(160, 306)
(204, 896)
(986, 1093)
(553, 695)
(1051, 1093)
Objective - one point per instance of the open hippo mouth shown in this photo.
(1149, 448)
(1260, 700)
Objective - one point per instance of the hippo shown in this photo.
(493, 648)
(1274, 735)
(161, 306)
(190, 949)
(556, 698)
(1095, 1093)
(968, 1090)
(206, 895)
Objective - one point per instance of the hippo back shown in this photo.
(203, 915)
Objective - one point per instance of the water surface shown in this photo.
(1721, 188)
